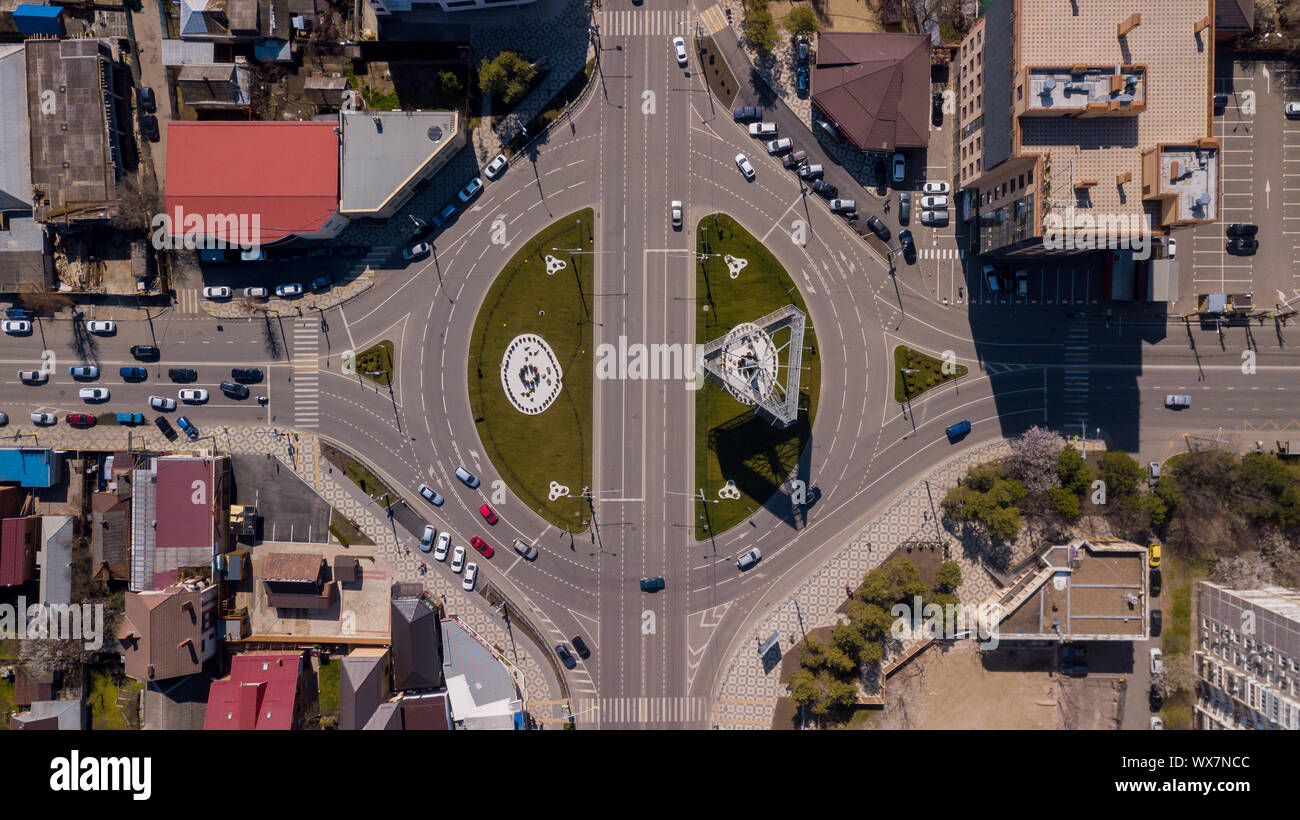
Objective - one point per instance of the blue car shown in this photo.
(802, 79)
(84, 371)
(959, 429)
(188, 426)
(444, 215)
(134, 374)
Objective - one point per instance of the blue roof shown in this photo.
(42, 12)
(29, 466)
(31, 19)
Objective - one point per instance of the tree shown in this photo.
(1247, 571)
(1074, 472)
(800, 20)
(849, 640)
(870, 620)
(506, 75)
(948, 576)
(989, 500)
(450, 83)
(804, 691)
(1120, 472)
(1033, 459)
(760, 30)
(1065, 502)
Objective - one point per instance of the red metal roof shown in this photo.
(259, 694)
(286, 172)
(875, 87)
(185, 505)
(17, 550)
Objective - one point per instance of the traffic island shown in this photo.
(916, 372)
(743, 461)
(530, 371)
(375, 363)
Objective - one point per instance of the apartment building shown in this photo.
(1085, 120)
(1247, 657)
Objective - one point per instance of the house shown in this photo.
(63, 715)
(23, 260)
(426, 711)
(32, 685)
(180, 517)
(253, 183)
(176, 704)
(55, 559)
(387, 155)
(18, 547)
(262, 691)
(417, 641)
(1232, 19)
(31, 466)
(169, 633)
(875, 88)
(481, 691)
(364, 684)
(235, 21)
(297, 581)
(110, 537)
(215, 86)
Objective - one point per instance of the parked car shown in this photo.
(133, 373)
(746, 112)
(82, 419)
(745, 168)
(467, 478)
(878, 228)
(958, 430)
(652, 584)
(777, 146)
(1153, 473)
(801, 49)
(188, 426)
(484, 548)
(909, 246)
(843, 205)
(762, 129)
(794, 160)
(1242, 229)
(471, 188)
(162, 403)
(444, 215)
(182, 374)
(416, 251)
(43, 419)
(1074, 670)
(440, 550)
(934, 217)
(935, 188)
(93, 393)
(1155, 583)
(1153, 554)
(216, 292)
(528, 551)
(488, 516)
(471, 575)
(937, 202)
(4, 418)
(1243, 246)
(1171, 246)
(1157, 621)
(16, 327)
(675, 212)
(426, 538)
(679, 49)
(145, 353)
(426, 492)
(801, 80)
(824, 189)
(748, 559)
(101, 326)
(936, 110)
(561, 650)
(256, 293)
(249, 375)
(1157, 723)
(234, 390)
(496, 167)
(810, 171)
(900, 167)
(128, 417)
(83, 371)
(1291, 109)
(1157, 661)
(33, 376)
(904, 208)
(291, 289)
(1176, 400)
(149, 127)
(192, 395)
(458, 559)
(165, 428)
(144, 98)
(320, 283)
(581, 647)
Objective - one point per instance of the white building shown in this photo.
(1248, 658)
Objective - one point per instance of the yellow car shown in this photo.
(1154, 552)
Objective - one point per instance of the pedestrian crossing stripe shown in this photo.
(714, 19)
(642, 710)
(644, 23)
(939, 253)
(187, 300)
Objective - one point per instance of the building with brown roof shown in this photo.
(1233, 18)
(298, 581)
(110, 537)
(875, 88)
(32, 685)
(168, 633)
(19, 543)
(180, 517)
(364, 683)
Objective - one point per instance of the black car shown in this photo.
(149, 127)
(936, 110)
(904, 208)
(1240, 229)
(1243, 245)
(581, 646)
(563, 652)
(1157, 619)
(320, 283)
(747, 112)
(166, 428)
(909, 247)
(183, 374)
(419, 229)
(144, 96)
(825, 189)
(234, 390)
(1154, 699)
(1220, 102)
(1155, 583)
(145, 352)
(878, 228)
(251, 375)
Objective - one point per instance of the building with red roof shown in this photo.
(875, 88)
(180, 517)
(262, 691)
(18, 545)
(280, 178)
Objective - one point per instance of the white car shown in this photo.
(440, 550)
(471, 575)
(42, 418)
(900, 167)
(937, 202)
(93, 393)
(101, 326)
(293, 289)
(679, 48)
(1170, 247)
(260, 293)
(934, 217)
(162, 403)
(416, 251)
(458, 559)
(426, 538)
(17, 326)
(1178, 400)
(1292, 109)
(675, 210)
(1157, 662)
(934, 188)
(762, 129)
(745, 168)
(33, 376)
(193, 395)
(429, 495)
(212, 292)
(496, 167)
(777, 146)
(1157, 722)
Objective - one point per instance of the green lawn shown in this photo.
(328, 681)
(102, 700)
(376, 363)
(731, 440)
(930, 375)
(555, 445)
(6, 702)
(342, 529)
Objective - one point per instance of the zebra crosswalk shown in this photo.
(306, 372)
(187, 300)
(644, 23)
(644, 710)
(938, 253)
(714, 19)
(1076, 375)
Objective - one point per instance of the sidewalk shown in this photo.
(240, 308)
(747, 696)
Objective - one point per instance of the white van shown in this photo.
(991, 276)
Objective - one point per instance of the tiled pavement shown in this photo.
(747, 697)
(361, 279)
(302, 454)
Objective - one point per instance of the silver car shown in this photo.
(1176, 401)
(458, 559)
(777, 146)
(748, 559)
(162, 403)
(426, 538)
(429, 495)
(528, 552)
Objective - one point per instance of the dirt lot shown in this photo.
(836, 15)
(1007, 689)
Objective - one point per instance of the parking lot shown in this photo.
(1259, 184)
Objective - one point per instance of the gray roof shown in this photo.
(415, 644)
(15, 154)
(361, 690)
(463, 654)
(56, 558)
(180, 703)
(388, 717)
(999, 54)
(381, 158)
(66, 713)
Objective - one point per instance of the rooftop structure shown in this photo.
(110, 536)
(31, 466)
(875, 88)
(386, 7)
(417, 641)
(18, 547)
(179, 517)
(220, 86)
(387, 154)
(55, 558)
(298, 581)
(22, 239)
(261, 692)
(482, 692)
(63, 715)
(169, 633)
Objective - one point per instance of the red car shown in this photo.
(482, 546)
(82, 419)
(487, 514)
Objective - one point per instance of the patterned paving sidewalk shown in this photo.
(239, 308)
(747, 697)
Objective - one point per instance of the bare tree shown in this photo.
(1246, 571)
(1033, 459)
